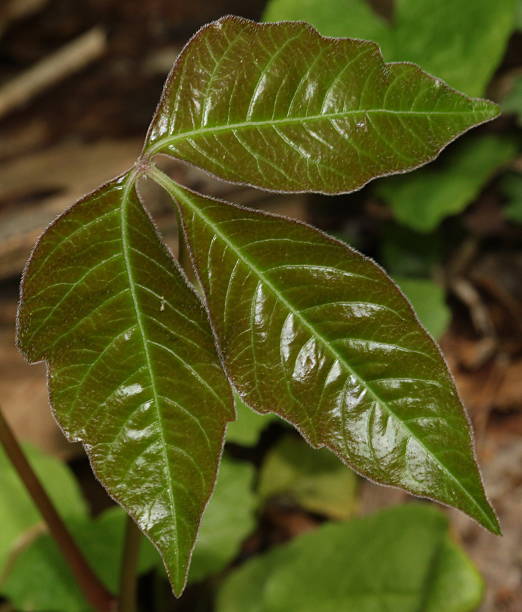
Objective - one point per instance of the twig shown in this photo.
(60, 64)
(95, 592)
(129, 564)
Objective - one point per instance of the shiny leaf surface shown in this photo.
(406, 562)
(280, 107)
(318, 334)
(461, 42)
(133, 371)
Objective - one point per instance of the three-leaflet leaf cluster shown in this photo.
(141, 366)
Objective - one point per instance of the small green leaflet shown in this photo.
(314, 479)
(133, 371)
(227, 521)
(315, 332)
(460, 41)
(406, 563)
(421, 201)
(280, 107)
(428, 300)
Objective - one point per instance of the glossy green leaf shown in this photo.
(133, 371)
(314, 479)
(428, 301)
(40, 579)
(421, 201)
(18, 512)
(318, 334)
(405, 562)
(512, 188)
(460, 41)
(280, 107)
(228, 519)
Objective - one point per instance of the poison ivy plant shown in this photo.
(17, 511)
(422, 200)
(461, 42)
(305, 327)
(314, 479)
(408, 563)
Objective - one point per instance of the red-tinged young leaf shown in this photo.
(133, 371)
(318, 334)
(281, 107)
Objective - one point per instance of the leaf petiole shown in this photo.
(95, 592)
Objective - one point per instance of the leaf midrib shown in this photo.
(203, 131)
(141, 327)
(179, 193)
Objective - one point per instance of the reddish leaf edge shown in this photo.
(148, 154)
(178, 581)
(491, 522)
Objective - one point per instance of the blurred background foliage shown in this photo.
(289, 527)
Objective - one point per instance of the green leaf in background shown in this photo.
(227, 521)
(511, 186)
(406, 562)
(512, 103)
(460, 41)
(422, 200)
(280, 107)
(247, 427)
(40, 579)
(428, 301)
(315, 479)
(411, 254)
(317, 333)
(134, 373)
(18, 512)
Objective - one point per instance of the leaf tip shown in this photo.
(491, 109)
(492, 523)
(178, 577)
(488, 517)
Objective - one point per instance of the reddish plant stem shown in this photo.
(95, 592)
(129, 566)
